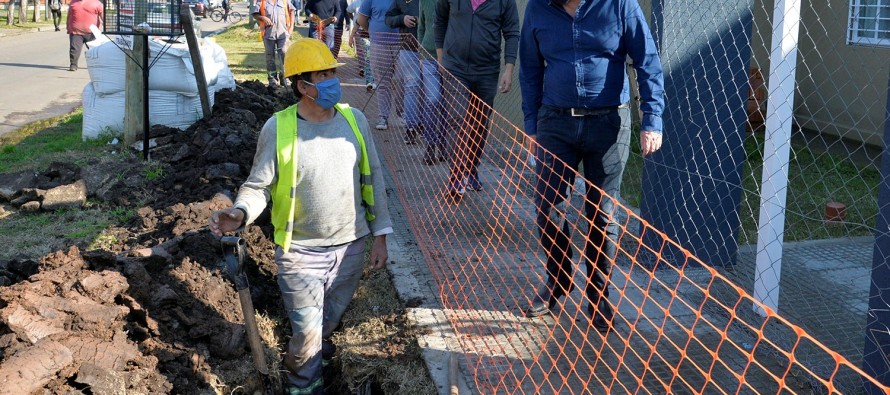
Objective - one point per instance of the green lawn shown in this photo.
(28, 24)
(36, 145)
(815, 178)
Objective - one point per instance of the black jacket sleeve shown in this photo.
(443, 9)
(510, 31)
(394, 15)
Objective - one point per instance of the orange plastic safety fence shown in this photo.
(679, 325)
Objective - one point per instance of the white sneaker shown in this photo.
(382, 125)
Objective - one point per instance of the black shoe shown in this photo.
(58, 30)
(443, 153)
(411, 136)
(429, 157)
(455, 191)
(602, 315)
(545, 299)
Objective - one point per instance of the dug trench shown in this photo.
(154, 312)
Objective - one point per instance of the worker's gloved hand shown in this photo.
(226, 220)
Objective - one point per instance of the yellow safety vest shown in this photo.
(284, 192)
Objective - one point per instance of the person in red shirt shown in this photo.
(81, 14)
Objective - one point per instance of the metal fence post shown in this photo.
(876, 356)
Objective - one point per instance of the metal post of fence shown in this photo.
(781, 84)
(692, 187)
(146, 123)
(876, 357)
(188, 19)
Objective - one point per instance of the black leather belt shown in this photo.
(583, 112)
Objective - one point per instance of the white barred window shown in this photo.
(869, 22)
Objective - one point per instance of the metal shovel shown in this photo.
(233, 250)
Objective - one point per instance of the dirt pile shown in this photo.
(154, 313)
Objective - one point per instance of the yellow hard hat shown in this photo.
(308, 54)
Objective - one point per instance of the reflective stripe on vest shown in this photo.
(284, 193)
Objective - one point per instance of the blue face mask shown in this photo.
(328, 93)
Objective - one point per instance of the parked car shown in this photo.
(199, 7)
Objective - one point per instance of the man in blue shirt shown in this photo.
(574, 97)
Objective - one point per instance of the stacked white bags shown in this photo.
(173, 92)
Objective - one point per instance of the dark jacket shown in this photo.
(395, 17)
(472, 40)
(345, 18)
(324, 8)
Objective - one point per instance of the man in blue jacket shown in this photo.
(574, 96)
(468, 46)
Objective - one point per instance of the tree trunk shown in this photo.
(36, 10)
(23, 12)
(10, 11)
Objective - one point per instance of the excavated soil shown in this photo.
(154, 313)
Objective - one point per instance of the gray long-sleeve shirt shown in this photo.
(329, 208)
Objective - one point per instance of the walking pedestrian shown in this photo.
(81, 15)
(574, 96)
(55, 7)
(402, 15)
(384, 53)
(468, 46)
(344, 22)
(431, 83)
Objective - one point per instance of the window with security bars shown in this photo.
(869, 22)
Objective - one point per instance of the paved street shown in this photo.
(34, 76)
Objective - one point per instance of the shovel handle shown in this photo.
(233, 251)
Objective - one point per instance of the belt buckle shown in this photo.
(574, 114)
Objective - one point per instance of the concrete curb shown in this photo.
(414, 282)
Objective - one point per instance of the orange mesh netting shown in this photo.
(680, 326)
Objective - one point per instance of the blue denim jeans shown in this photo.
(384, 57)
(431, 115)
(409, 69)
(317, 284)
(602, 143)
(328, 33)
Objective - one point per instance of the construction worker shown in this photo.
(327, 213)
(276, 19)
